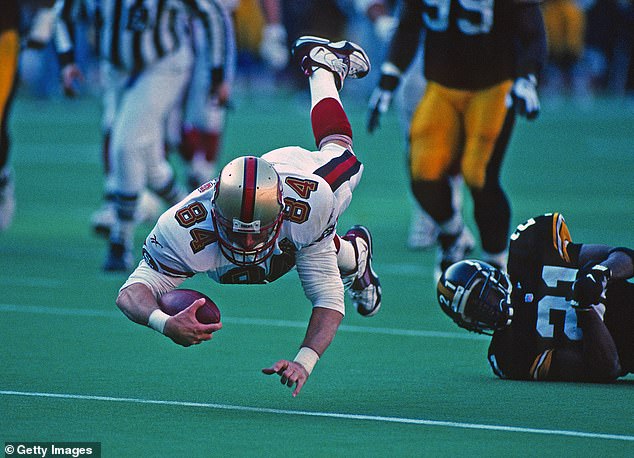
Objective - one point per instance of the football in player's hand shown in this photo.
(178, 300)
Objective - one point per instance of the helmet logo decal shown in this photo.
(246, 228)
(248, 196)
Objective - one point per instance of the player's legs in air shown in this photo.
(322, 60)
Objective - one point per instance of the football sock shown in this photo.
(328, 118)
(453, 225)
(201, 170)
(322, 85)
(435, 197)
(172, 192)
(190, 142)
(105, 152)
(346, 256)
(492, 214)
(123, 230)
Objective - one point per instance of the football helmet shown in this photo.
(247, 210)
(476, 295)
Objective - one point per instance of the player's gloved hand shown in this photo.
(273, 47)
(590, 286)
(216, 80)
(42, 28)
(381, 97)
(525, 99)
(384, 27)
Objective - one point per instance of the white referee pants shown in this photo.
(138, 130)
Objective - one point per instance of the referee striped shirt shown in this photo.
(133, 34)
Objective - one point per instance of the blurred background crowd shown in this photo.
(591, 43)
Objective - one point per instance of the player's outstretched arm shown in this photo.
(139, 304)
(321, 330)
(596, 361)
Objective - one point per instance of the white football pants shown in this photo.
(138, 128)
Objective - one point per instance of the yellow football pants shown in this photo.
(9, 49)
(454, 124)
(565, 24)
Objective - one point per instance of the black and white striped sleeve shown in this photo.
(220, 35)
(63, 38)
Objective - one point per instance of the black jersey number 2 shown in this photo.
(472, 17)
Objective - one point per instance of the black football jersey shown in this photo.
(471, 45)
(543, 264)
(469, 48)
(10, 17)
(619, 319)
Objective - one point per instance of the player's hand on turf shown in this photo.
(590, 286)
(381, 98)
(290, 372)
(525, 99)
(184, 329)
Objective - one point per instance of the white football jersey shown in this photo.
(317, 188)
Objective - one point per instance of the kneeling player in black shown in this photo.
(564, 312)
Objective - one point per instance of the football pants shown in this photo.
(451, 124)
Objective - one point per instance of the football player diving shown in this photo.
(565, 311)
(476, 55)
(264, 216)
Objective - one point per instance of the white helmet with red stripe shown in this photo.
(247, 210)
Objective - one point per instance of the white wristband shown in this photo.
(307, 357)
(157, 320)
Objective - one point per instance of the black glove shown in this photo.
(590, 286)
(216, 78)
(381, 99)
(525, 99)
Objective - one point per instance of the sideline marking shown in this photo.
(344, 416)
(46, 310)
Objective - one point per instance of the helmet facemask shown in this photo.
(248, 210)
(476, 296)
(487, 307)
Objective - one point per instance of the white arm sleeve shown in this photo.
(157, 282)
(319, 274)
